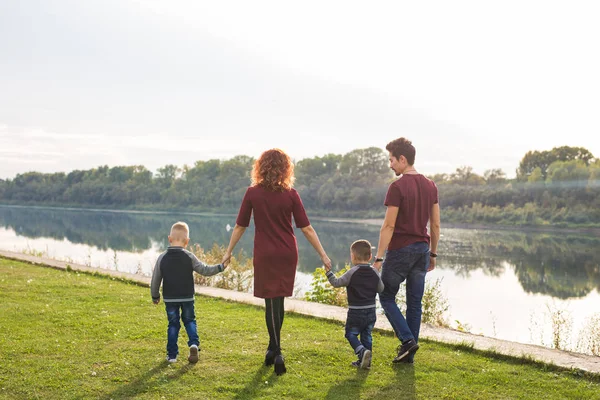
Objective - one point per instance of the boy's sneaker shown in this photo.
(407, 348)
(171, 359)
(193, 358)
(365, 360)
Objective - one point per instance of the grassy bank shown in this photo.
(68, 335)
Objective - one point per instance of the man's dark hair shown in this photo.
(402, 147)
(361, 250)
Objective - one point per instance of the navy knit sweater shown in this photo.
(362, 284)
(175, 269)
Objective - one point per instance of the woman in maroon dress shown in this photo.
(273, 201)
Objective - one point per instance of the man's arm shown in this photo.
(204, 269)
(386, 233)
(434, 227)
(156, 280)
(343, 280)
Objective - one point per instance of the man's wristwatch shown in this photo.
(378, 259)
(432, 254)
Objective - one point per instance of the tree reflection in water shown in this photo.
(562, 265)
(559, 264)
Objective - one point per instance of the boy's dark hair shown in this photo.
(361, 250)
(402, 147)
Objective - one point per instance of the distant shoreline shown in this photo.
(122, 211)
(454, 225)
(364, 221)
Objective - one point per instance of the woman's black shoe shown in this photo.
(270, 357)
(279, 365)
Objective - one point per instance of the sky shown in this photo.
(156, 82)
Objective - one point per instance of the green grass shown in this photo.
(66, 335)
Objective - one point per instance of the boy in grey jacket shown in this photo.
(362, 284)
(175, 269)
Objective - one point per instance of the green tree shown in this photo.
(568, 171)
(494, 176)
(440, 178)
(166, 176)
(536, 176)
(371, 162)
(543, 159)
(465, 176)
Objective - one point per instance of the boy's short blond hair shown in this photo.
(361, 250)
(180, 231)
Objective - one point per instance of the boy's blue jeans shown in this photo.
(409, 263)
(189, 322)
(360, 322)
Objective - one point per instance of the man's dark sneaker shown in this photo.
(356, 363)
(406, 349)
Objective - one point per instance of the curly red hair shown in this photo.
(274, 171)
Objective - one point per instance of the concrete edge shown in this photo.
(560, 358)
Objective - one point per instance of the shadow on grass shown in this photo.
(144, 383)
(403, 386)
(350, 388)
(523, 360)
(257, 383)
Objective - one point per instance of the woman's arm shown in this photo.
(313, 239)
(237, 234)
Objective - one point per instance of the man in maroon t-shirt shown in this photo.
(412, 202)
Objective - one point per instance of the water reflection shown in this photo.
(561, 265)
(137, 232)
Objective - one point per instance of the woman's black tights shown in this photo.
(274, 318)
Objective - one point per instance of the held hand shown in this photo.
(226, 259)
(431, 264)
(377, 265)
(326, 262)
(327, 268)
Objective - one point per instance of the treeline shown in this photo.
(353, 182)
(560, 187)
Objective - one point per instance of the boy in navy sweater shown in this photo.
(362, 285)
(175, 269)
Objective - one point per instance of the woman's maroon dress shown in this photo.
(275, 247)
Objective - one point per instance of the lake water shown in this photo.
(498, 283)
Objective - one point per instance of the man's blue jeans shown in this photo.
(408, 264)
(189, 322)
